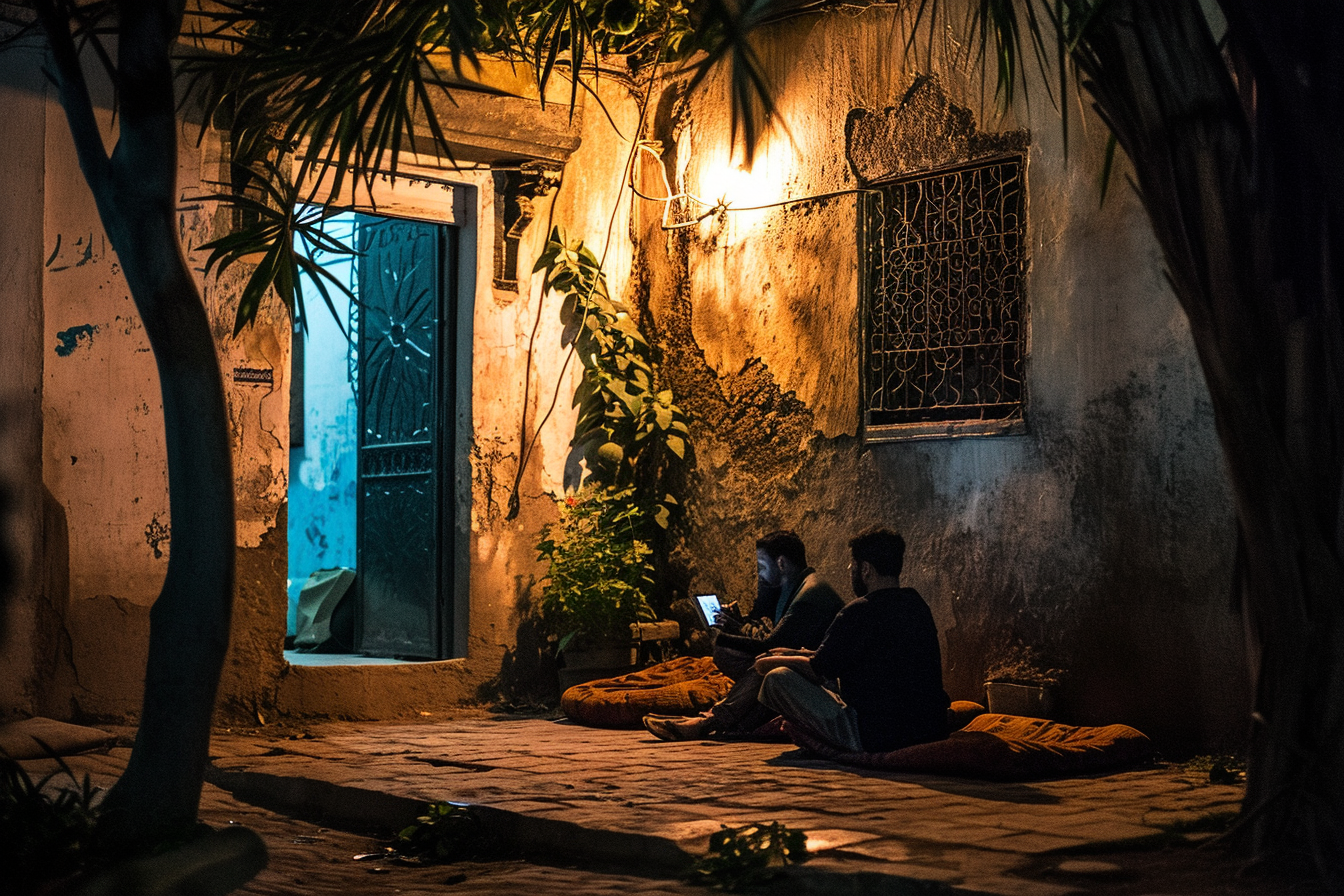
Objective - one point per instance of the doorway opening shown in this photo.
(372, 432)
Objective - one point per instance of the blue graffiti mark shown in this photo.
(70, 338)
(56, 251)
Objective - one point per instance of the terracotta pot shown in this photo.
(1010, 698)
(602, 661)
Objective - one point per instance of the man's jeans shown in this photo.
(739, 712)
(820, 711)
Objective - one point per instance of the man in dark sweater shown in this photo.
(797, 620)
(882, 649)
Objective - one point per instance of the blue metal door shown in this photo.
(403, 508)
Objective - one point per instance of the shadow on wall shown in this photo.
(53, 649)
(527, 676)
(1132, 600)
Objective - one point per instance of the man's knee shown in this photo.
(778, 681)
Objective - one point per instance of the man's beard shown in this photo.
(856, 582)
(767, 597)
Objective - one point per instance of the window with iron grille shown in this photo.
(945, 341)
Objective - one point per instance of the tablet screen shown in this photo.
(708, 605)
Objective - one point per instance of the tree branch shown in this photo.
(74, 95)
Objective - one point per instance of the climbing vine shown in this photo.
(631, 433)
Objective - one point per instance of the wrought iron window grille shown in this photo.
(944, 349)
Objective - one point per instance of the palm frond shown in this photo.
(280, 242)
(726, 32)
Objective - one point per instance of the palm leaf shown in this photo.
(726, 32)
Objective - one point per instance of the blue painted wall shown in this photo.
(322, 472)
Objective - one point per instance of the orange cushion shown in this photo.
(1000, 747)
(684, 686)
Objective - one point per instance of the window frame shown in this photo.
(1015, 422)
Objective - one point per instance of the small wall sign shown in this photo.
(257, 376)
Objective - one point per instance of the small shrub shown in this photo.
(445, 833)
(743, 857)
(598, 578)
(46, 832)
(1022, 664)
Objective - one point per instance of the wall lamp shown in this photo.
(722, 204)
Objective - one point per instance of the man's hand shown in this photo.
(799, 661)
(790, 651)
(730, 624)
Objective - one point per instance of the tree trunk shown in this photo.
(136, 194)
(1242, 207)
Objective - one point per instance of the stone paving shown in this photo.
(624, 797)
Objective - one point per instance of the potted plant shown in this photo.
(597, 583)
(1022, 683)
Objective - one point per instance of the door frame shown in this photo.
(418, 194)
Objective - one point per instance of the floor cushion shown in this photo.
(684, 686)
(38, 737)
(998, 747)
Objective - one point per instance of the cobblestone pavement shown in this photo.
(620, 794)
(626, 799)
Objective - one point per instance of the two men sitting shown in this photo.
(797, 619)
(873, 684)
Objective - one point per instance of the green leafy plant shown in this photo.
(743, 857)
(47, 831)
(1221, 769)
(447, 832)
(599, 576)
(631, 432)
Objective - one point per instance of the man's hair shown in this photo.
(881, 547)
(783, 543)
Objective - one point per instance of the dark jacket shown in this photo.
(803, 625)
(884, 650)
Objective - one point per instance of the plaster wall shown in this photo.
(1103, 535)
(32, 642)
(104, 460)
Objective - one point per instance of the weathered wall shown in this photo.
(1103, 535)
(32, 642)
(103, 445)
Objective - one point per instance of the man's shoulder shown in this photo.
(815, 588)
(882, 603)
(897, 595)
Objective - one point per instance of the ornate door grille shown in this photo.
(945, 324)
(399, 386)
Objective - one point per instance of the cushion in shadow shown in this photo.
(25, 739)
(684, 686)
(999, 747)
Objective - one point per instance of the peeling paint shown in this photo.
(70, 339)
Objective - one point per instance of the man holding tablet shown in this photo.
(801, 615)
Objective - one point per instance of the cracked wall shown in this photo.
(103, 456)
(1103, 535)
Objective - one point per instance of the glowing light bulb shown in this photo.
(736, 187)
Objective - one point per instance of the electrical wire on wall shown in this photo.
(722, 204)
